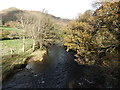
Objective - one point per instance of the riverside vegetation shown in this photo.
(93, 38)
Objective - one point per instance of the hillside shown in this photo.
(9, 15)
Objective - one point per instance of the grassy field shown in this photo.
(10, 29)
(7, 28)
(15, 45)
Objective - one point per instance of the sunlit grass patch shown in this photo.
(15, 45)
(9, 29)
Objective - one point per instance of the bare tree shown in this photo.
(40, 27)
(43, 30)
(24, 19)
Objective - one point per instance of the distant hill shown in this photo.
(9, 15)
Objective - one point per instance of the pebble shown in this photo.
(35, 75)
(80, 83)
(43, 82)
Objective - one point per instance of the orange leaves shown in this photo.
(88, 35)
(79, 39)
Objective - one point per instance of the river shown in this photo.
(54, 72)
(58, 70)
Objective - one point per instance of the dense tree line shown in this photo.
(95, 35)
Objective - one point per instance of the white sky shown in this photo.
(60, 8)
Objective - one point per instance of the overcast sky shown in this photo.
(60, 8)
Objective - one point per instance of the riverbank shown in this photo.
(15, 62)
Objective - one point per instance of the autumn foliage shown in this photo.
(95, 35)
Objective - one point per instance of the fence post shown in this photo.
(11, 50)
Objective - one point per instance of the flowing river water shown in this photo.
(53, 73)
(59, 70)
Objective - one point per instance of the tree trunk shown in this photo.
(11, 50)
(23, 47)
(33, 45)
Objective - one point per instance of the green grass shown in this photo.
(16, 45)
(7, 28)
(10, 29)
